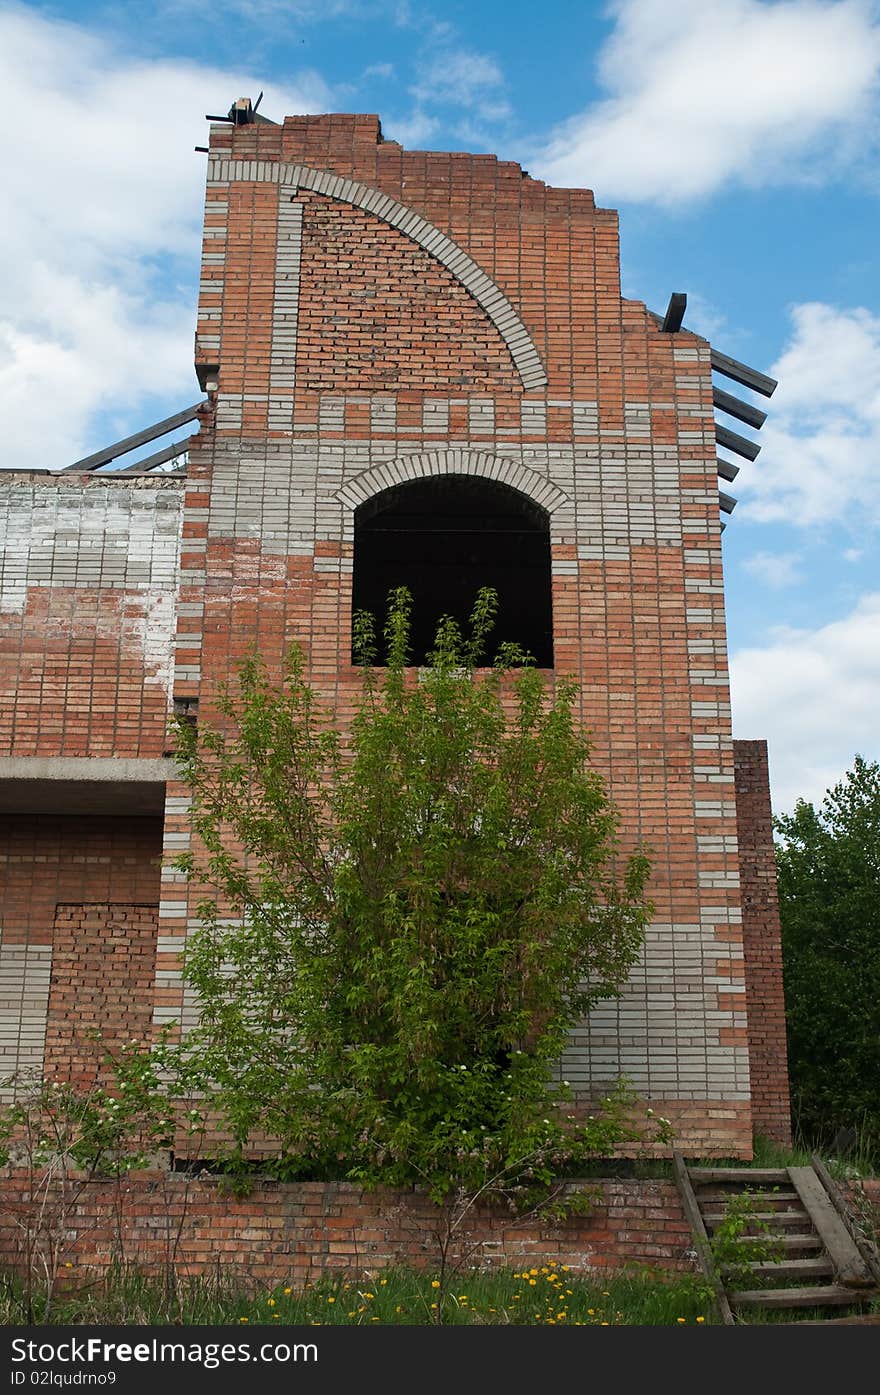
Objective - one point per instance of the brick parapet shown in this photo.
(763, 987)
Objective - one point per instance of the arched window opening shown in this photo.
(443, 538)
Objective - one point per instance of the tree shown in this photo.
(407, 917)
(829, 901)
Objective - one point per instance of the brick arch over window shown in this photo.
(481, 286)
(444, 534)
(453, 462)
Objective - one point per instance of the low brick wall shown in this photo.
(293, 1232)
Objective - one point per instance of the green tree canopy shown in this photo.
(829, 900)
(411, 914)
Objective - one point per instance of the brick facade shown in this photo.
(762, 939)
(370, 316)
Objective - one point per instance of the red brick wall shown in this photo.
(296, 1231)
(768, 1055)
(377, 313)
(64, 970)
(103, 972)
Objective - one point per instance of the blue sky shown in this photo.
(738, 139)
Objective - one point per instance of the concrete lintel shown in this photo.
(83, 785)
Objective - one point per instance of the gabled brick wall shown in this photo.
(370, 316)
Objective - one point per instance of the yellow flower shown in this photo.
(604, 1324)
(368, 1296)
(287, 1290)
(701, 1319)
(681, 1319)
(533, 1282)
(244, 1319)
(435, 1283)
(331, 1300)
(271, 1302)
(533, 1271)
(561, 1316)
(277, 1316)
(382, 1282)
(565, 1268)
(591, 1312)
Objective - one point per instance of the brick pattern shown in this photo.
(45, 862)
(295, 1232)
(768, 1053)
(103, 970)
(618, 442)
(378, 312)
(88, 578)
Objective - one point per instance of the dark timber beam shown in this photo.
(732, 440)
(735, 407)
(672, 320)
(727, 502)
(741, 373)
(726, 469)
(140, 438)
(151, 462)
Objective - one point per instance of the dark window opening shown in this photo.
(445, 537)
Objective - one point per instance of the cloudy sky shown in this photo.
(738, 138)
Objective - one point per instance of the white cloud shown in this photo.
(775, 569)
(705, 93)
(101, 229)
(814, 695)
(821, 441)
(460, 78)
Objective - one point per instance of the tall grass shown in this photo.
(546, 1294)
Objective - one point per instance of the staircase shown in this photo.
(820, 1268)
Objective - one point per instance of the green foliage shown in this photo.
(408, 916)
(52, 1126)
(741, 1239)
(829, 899)
(61, 1136)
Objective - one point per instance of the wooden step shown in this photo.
(864, 1319)
(785, 1200)
(789, 1218)
(815, 1296)
(760, 1176)
(816, 1267)
(787, 1242)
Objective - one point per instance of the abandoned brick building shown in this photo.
(414, 367)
